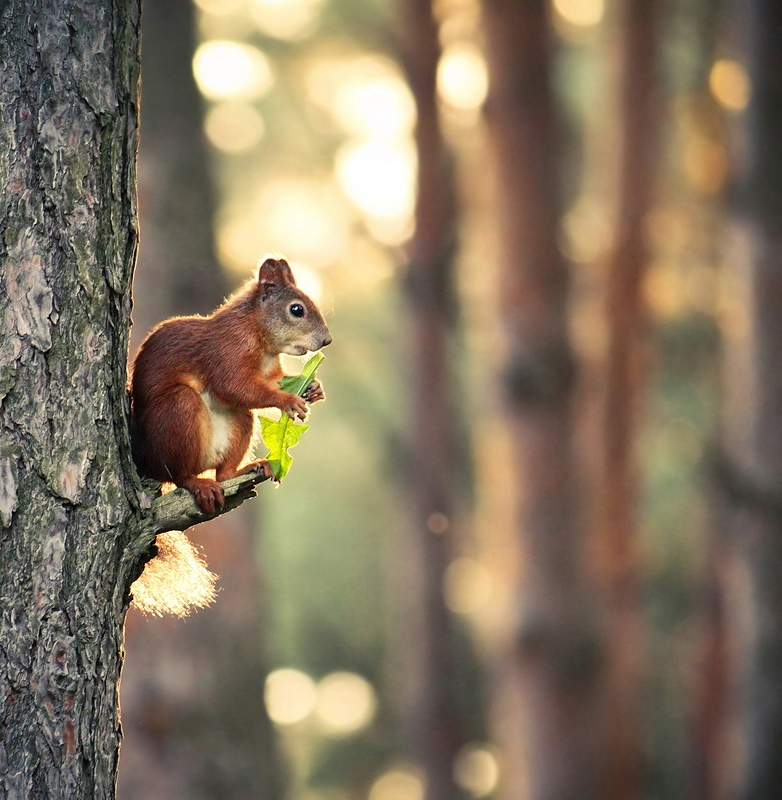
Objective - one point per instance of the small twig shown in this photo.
(178, 510)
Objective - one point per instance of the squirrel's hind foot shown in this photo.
(207, 492)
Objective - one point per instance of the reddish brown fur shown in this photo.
(193, 376)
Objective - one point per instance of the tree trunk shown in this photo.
(557, 650)
(639, 112)
(206, 734)
(69, 497)
(442, 721)
(753, 423)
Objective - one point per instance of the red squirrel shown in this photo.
(196, 380)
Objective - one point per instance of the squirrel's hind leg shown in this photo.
(241, 436)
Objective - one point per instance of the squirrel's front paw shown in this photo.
(294, 406)
(314, 392)
(261, 467)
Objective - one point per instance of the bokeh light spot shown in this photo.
(379, 177)
(397, 784)
(476, 770)
(582, 13)
(289, 695)
(730, 85)
(467, 586)
(225, 69)
(462, 79)
(291, 20)
(234, 126)
(345, 703)
(380, 107)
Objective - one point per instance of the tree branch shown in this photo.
(178, 510)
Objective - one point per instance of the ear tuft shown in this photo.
(273, 273)
(286, 272)
(269, 277)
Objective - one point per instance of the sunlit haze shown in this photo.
(234, 126)
(378, 176)
(378, 107)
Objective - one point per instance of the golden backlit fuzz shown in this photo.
(176, 581)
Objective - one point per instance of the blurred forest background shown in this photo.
(530, 547)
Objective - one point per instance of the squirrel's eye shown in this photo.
(296, 309)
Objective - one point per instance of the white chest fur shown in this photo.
(221, 419)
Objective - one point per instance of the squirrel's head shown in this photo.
(292, 322)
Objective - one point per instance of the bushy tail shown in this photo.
(176, 581)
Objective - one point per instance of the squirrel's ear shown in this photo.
(286, 272)
(273, 274)
(269, 277)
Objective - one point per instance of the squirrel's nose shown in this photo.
(326, 340)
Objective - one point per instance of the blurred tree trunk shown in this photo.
(557, 649)
(753, 419)
(177, 271)
(69, 495)
(442, 722)
(638, 119)
(192, 690)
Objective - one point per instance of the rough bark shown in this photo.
(441, 722)
(69, 498)
(753, 424)
(557, 651)
(639, 114)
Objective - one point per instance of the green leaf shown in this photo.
(297, 384)
(283, 433)
(279, 435)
